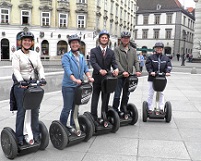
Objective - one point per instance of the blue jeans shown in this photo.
(117, 94)
(68, 101)
(19, 94)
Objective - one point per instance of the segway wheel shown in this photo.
(133, 112)
(86, 126)
(91, 119)
(44, 136)
(9, 143)
(168, 111)
(113, 118)
(144, 111)
(58, 135)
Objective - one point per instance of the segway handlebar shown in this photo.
(160, 74)
(130, 74)
(33, 83)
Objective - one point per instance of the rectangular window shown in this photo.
(116, 11)
(111, 27)
(63, 20)
(45, 19)
(169, 19)
(4, 19)
(144, 34)
(97, 22)
(184, 21)
(80, 21)
(168, 34)
(135, 34)
(157, 19)
(111, 7)
(156, 34)
(105, 5)
(146, 19)
(25, 17)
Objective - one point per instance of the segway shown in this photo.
(129, 113)
(9, 142)
(62, 136)
(159, 84)
(109, 120)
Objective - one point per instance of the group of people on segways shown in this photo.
(122, 80)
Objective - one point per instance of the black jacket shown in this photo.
(99, 62)
(158, 63)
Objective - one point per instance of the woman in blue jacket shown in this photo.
(74, 65)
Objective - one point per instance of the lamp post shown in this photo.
(184, 54)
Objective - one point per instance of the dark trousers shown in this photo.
(19, 94)
(117, 94)
(95, 99)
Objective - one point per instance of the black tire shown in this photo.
(58, 135)
(144, 111)
(9, 143)
(113, 118)
(133, 112)
(168, 112)
(85, 126)
(90, 117)
(44, 136)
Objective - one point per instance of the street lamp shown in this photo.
(184, 50)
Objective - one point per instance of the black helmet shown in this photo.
(125, 34)
(73, 37)
(24, 35)
(104, 32)
(159, 44)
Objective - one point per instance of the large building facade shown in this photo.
(52, 21)
(166, 21)
(197, 38)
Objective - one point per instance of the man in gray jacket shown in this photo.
(126, 58)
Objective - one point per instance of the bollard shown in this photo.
(194, 71)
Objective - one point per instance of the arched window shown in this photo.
(45, 47)
(5, 49)
(61, 47)
(83, 48)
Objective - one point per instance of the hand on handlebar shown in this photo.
(90, 79)
(167, 74)
(103, 72)
(125, 74)
(78, 81)
(115, 72)
(42, 82)
(138, 74)
(152, 73)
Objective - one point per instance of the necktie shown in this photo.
(103, 51)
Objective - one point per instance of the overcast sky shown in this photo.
(187, 3)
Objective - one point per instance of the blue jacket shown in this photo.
(70, 66)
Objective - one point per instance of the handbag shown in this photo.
(36, 74)
(13, 103)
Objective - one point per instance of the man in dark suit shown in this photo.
(101, 58)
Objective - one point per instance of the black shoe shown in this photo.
(20, 143)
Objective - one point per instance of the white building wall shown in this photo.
(197, 33)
